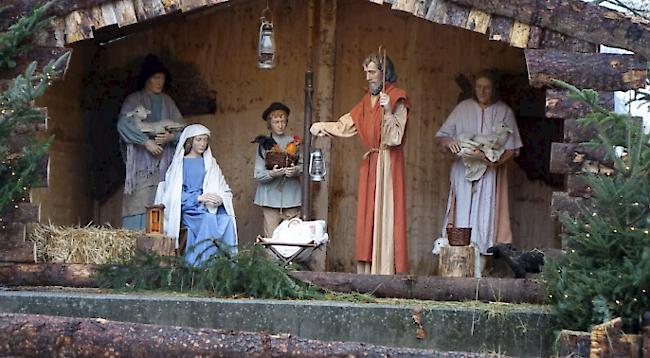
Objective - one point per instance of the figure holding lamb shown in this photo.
(491, 145)
(481, 135)
(149, 126)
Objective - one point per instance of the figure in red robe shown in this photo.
(379, 120)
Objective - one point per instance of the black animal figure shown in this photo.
(265, 143)
(519, 262)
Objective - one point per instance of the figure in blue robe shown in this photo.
(203, 227)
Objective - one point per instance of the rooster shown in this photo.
(292, 147)
(266, 143)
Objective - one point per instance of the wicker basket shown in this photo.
(280, 159)
(459, 236)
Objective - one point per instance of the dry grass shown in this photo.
(83, 244)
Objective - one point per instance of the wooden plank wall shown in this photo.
(223, 46)
(428, 57)
(65, 201)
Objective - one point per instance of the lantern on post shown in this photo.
(266, 44)
(154, 225)
(317, 165)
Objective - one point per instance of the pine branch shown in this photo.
(18, 37)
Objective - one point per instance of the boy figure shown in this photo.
(278, 189)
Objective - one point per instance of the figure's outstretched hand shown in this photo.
(152, 147)
(164, 138)
(277, 172)
(317, 130)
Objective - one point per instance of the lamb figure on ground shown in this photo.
(139, 114)
(492, 145)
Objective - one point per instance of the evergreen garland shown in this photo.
(606, 271)
(251, 273)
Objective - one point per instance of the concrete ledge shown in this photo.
(515, 330)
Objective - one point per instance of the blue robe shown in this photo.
(202, 226)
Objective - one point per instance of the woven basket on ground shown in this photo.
(459, 236)
(281, 159)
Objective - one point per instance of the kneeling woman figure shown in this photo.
(196, 193)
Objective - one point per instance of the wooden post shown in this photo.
(456, 261)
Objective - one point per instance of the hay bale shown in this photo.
(83, 244)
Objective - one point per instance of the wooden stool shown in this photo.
(456, 261)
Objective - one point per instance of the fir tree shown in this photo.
(17, 109)
(606, 271)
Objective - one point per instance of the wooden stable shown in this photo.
(433, 43)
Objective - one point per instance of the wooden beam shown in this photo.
(456, 15)
(148, 9)
(17, 252)
(48, 274)
(478, 21)
(429, 287)
(22, 213)
(500, 28)
(53, 336)
(17, 8)
(576, 185)
(519, 35)
(559, 105)
(573, 343)
(12, 232)
(602, 72)
(569, 205)
(579, 19)
(573, 158)
(421, 8)
(574, 132)
(555, 40)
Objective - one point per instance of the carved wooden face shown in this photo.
(277, 121)
(155, 83)
(199, 145)
(484, 90)
(374, 77)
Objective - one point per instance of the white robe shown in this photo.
(169, 191)
(478, 209)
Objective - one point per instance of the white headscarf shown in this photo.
(169, 191)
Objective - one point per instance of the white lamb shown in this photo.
(139, 114)
(492, 145)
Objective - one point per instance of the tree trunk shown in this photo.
(599, 71)
(69, 275)
(398, 286)
(559, 105)
(49, 336)
(582, 20)
(456, 261)
(608, 340)
(429, 287)
(574, 344)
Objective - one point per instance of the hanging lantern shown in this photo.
(266, 45)
(317, 165)
(155, 219)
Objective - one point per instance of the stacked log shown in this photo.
(49, 336)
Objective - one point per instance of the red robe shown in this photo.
(368, 121)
